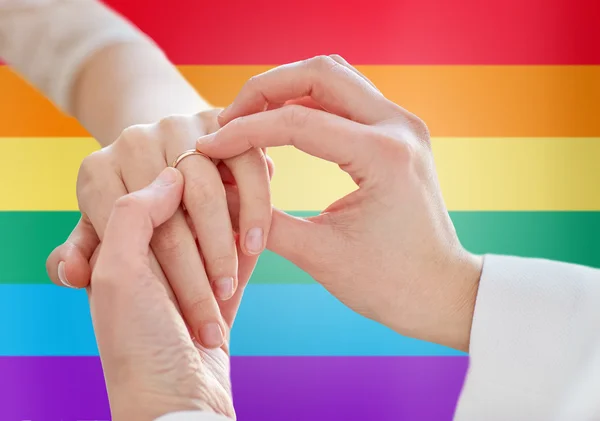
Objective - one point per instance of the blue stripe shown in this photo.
(275, 320)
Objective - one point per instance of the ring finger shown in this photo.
(206, 204)
(173, 242)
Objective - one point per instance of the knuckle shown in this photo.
(201, 304)
(92, 174)
(133, 140)
(209, 119)
(394, 147)
(172, 122)
(236, 125)
(296, 116)
(240, 129)
(322, 63)
(249, 159)
(220, 265)
(396, 111)
(201, 193)
(419, 128)
(131, 133)
(261, 202)
(91, 164)
(337, 57)
(253, 84)
(166, 241)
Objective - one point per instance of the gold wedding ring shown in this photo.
(187, 153)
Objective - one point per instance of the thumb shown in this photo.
(298, 240)
(69, 264)
(134, 217)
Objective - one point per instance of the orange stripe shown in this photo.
(463, 101)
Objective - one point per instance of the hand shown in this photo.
(389, 249)
(133, 161)
(150, 363)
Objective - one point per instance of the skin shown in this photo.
(151, 365)
(388, 250)
(121, 93)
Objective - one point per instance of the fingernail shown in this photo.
(167, 177)
(62, 275)
(205, 139)
(211, 335)
(254, 240)
(224, 288)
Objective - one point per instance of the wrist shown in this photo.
(134, 405)
(463, 280)
(205, 386)
(442, 312)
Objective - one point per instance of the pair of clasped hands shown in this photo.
(166, 253)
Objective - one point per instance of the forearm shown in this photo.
(93, 64)
(127, 84)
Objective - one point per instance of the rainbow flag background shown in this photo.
(510, 90)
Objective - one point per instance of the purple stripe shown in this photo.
(265, 388)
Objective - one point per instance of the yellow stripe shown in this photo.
(475, 174)
(459, 101)
(519, 173)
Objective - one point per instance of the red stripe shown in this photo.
(372, 31)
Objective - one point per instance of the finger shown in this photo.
(304, 101)
(343, 62)
(206, 203)
(252, 178)
(173, 243)
(98, 188)
(311, 103)
(69, 264)
(126, 299)
(299, 240)
(136, 215)
(317, 133)
(230, 307)
(333, 86)
(209, 119)
(232, 193)
(228, 179)
(270, 165)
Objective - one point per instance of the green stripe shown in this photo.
(28, 237)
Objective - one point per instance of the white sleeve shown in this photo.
(48, 41)
(193, 416)
(535, 343)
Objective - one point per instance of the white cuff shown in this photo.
(535, 343)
